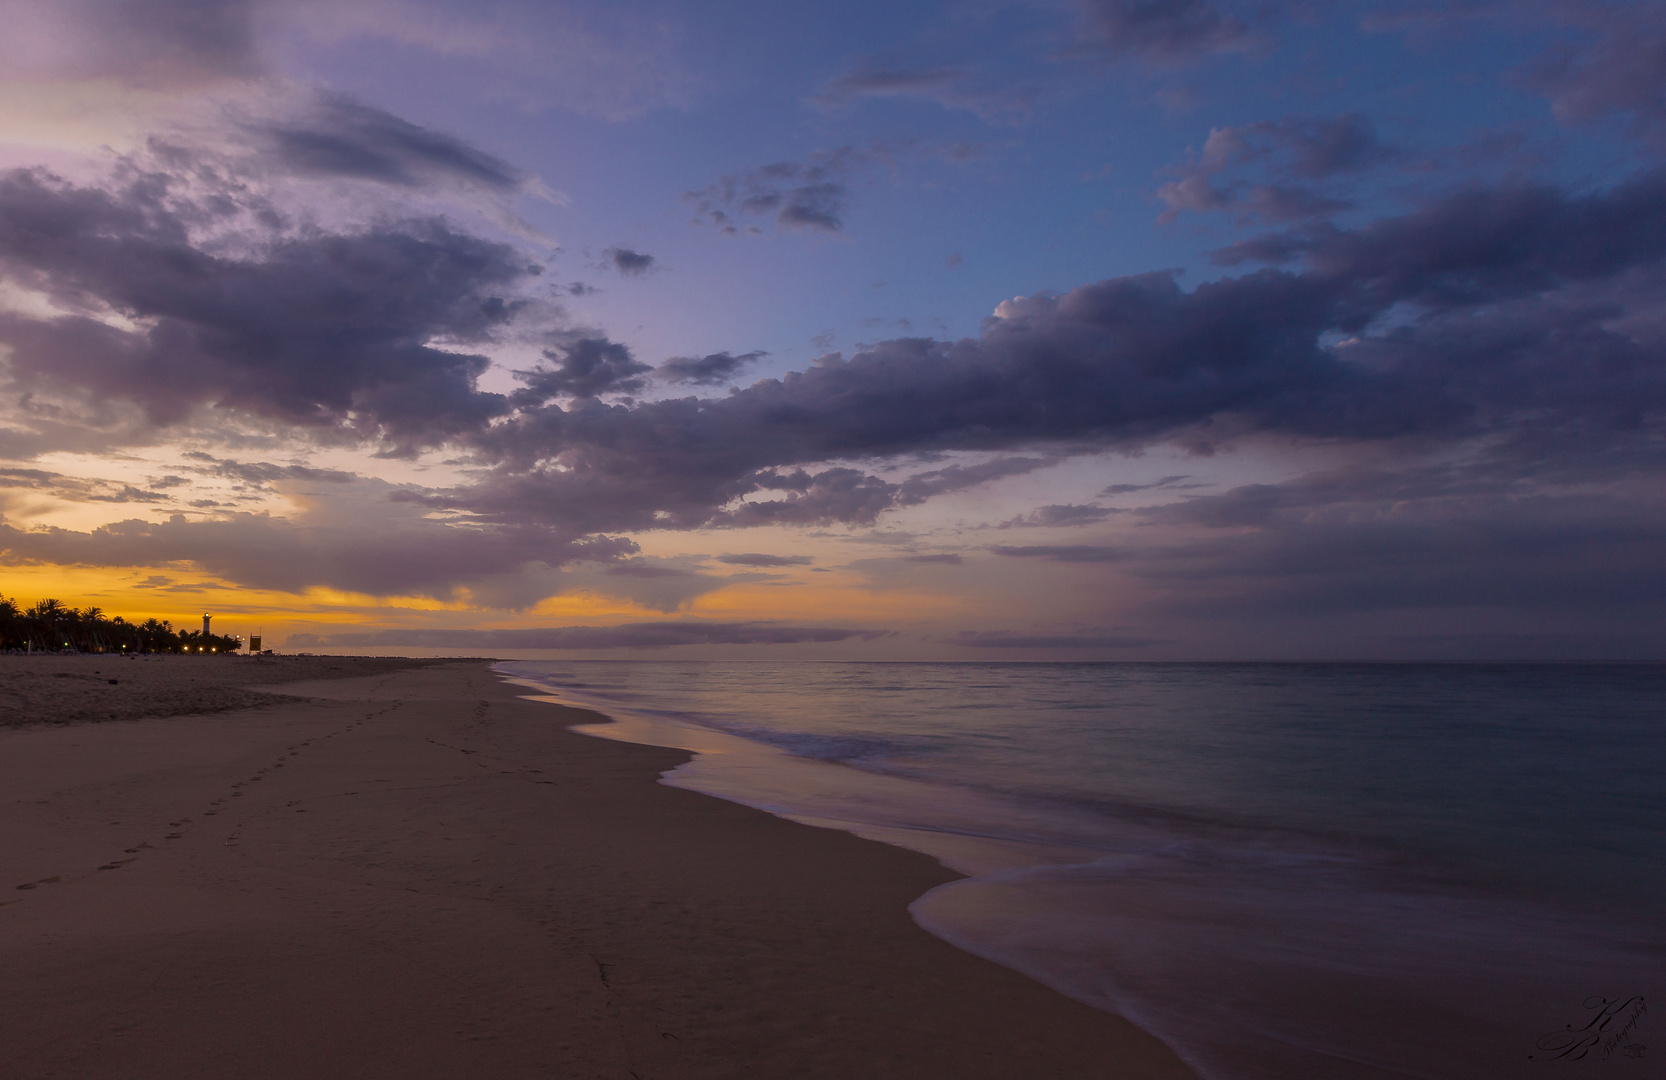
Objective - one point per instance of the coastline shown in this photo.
(419, 873)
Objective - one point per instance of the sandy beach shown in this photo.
(403, 869)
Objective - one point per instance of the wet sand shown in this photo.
(415, 873)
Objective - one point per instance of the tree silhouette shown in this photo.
(49, 626)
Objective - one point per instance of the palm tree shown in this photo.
(47, 618)
(92, 626)
(11, 624)
(153, 636)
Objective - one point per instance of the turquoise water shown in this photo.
(1281, 869)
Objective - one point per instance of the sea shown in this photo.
(1349, 871)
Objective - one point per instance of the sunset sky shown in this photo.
(1046, 329)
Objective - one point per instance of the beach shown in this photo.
(406, 869)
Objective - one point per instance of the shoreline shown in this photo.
(419, 873)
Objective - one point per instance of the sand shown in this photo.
(43, 689)
(416, 873)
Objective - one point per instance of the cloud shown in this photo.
(655, 635)
(1483, 245)
(1452, 323)
(363, 545)
(341, 138)
(836, 494)
(76, 489)
(628, 263)
(713, 369)
(957, 477)
(263, 472)
(952, 88)
(1520, 327)
(809, 195)
(1160, 33)
(662, 585)
(324, 330)
(587, 368)
(1165, 482)
(1059, 515)
(1091, 639)
(765, 560)
(1295, 152)
(1071, 553)
(1430, 539)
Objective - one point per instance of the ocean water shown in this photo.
(1283, 870)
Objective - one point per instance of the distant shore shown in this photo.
(402, 869)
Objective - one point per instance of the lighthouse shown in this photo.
(205, 619)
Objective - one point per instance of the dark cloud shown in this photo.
(837, 494)
(1483, 246)
(264, 472)
(322, 330)
(1059, 515)
(342, 138)
(79, 489)
(379, 552)
(1293, 153)
(1072, 553)
(808, 195)
(31, 478)
(878, 80)
(1160, 33)
(713, 369)
(129, 493)
(924, 485)
(1164, 482)
(1501, 304)
(945, 559)
(587, 368)
(1091, 639)
(1438, 539)
(645, 570)
(658, 635)
(1524, 326)
(627, 262)
(765, 560)
(950, 87)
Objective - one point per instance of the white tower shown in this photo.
(205, 619)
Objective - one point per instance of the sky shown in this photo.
(985, 330)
